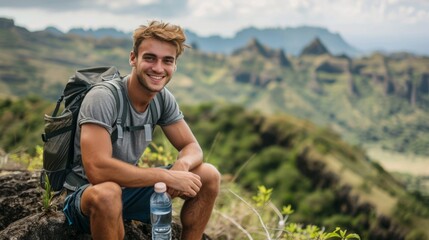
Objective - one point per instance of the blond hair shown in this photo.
(170, 33)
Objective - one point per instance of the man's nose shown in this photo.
(158, 66)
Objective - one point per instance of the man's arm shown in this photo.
(182, 138)
(100, 166)
(190, 153)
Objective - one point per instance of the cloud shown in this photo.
(150, 8)
(253, 12)
(42, 4)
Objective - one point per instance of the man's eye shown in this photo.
(149, 58)
(169, 61)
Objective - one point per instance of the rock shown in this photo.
(316, 47)
(19, 197)
(22, 215)
(53, 225)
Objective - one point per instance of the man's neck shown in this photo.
(139, 96)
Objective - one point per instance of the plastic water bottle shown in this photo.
(160, 213)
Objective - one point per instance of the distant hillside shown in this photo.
(290, 40)
(101, 33)
(329, 182)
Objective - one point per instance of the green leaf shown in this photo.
(353, 235)
(287, 210)
(332, 234)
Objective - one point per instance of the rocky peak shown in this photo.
(255, 48)
(316, 47)
(6, 23)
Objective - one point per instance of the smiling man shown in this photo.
(114, 189)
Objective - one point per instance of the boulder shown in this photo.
(23, 217)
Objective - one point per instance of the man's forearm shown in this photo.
(124, 174)
(190, 156)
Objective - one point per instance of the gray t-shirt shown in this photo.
(99, 107)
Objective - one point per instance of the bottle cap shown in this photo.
(160, 187)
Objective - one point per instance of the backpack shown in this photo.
(59, 131)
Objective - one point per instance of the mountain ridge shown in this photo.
(292, 39)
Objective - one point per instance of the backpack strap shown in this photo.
(121, 107)
(155, 108)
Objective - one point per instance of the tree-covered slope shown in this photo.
(329, 182)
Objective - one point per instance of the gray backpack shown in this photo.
(59, 132)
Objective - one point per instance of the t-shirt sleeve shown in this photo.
(98, 107)
(171, 112)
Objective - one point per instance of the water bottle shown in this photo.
(160, 213)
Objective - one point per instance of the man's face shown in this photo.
(155, 64)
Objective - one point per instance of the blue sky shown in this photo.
(391, 25)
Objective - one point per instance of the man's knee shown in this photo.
(103, 196)
(211, 178)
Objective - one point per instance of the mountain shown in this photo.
(316, 47)
(290, 40)
(101, 33)
(54, 30)
(255, 48)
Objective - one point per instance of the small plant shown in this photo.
(263, 196)
(280, 229)
(341, 234)
(47, 195)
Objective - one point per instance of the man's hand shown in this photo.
(190, 156)
(183, 184)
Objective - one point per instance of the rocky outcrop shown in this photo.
(22, 215)
(316, 47)
(388, 84)
(6, 23)
(52, 225)
(423, 85)
(352, 88)
(255, 79)
(314, 83)
(329, 67)
(256, 54)
(255, 48)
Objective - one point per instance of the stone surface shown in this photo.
(23, 217)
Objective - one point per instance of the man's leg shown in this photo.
(103, 204)
(196, 211)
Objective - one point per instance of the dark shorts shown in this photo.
(135, 205)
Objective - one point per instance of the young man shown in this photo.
(118, 190)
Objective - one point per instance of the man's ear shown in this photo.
(132, 59)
